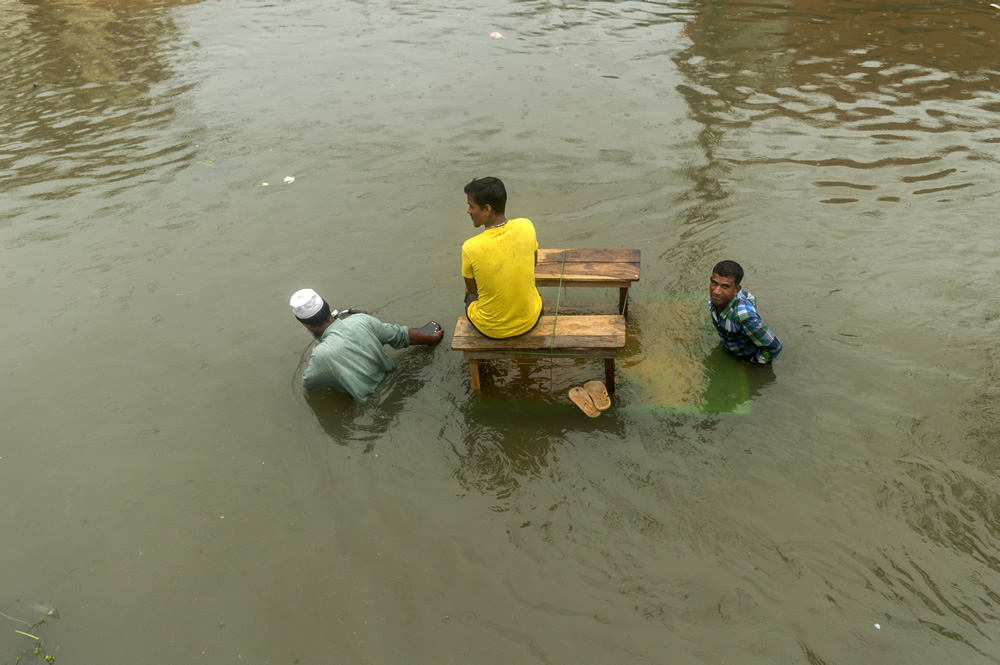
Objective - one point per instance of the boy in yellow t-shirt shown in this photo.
(499, 265)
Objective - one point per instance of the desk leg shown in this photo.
(609, 375)
(474, 371)
(623, 301)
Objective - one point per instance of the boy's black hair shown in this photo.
(729, 269)
(488, 190)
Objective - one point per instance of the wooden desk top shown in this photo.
(587, 267)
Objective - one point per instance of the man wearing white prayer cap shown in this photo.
(349, 354)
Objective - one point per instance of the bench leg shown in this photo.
(623, 301)
(474, 371)
(609, 375)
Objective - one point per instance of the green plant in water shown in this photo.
(38, 651)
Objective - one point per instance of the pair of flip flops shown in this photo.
(592, 398)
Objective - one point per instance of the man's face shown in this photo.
(480, 216)
(722, 290)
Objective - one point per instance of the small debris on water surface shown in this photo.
(496, 35)
(878, 627)
(289, 179)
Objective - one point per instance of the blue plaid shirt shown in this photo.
(742, 332)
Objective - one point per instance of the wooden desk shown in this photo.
(565, 336)
(607, 268)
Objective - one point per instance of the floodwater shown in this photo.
(169, 489)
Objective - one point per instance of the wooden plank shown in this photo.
(599, 268)
(590, 255)
(520, 355)
(575, 283)
(578, 283)
(571, 332)
(559, 343)
(583, 269)
(584, 324)
(621, 273)
(592, 309)
(596, 324)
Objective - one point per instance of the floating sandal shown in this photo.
(582, 399)
(598, 393)
(429, 328)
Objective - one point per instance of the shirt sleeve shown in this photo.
(769, 346)
(466, 265)
(396, 336)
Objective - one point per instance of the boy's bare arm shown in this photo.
(471, 286)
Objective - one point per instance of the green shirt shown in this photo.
(350, 356)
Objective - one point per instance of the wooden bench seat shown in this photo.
(607, 268)
(562, 336)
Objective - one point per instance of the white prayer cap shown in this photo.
(306, 303)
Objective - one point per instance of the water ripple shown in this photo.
(87, 104)
(917, 86)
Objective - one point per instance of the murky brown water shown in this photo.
(169, 489)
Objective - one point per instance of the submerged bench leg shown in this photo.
(609, 375)
(474, 371)
(623, 301)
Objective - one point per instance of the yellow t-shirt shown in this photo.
(502, 261)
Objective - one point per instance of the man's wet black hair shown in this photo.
(319, 318)
(488, 190)
(729, 269)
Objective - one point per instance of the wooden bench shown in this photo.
(608, 268)
(576, 336)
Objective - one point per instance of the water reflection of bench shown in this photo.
(562, 336)
(607, 268)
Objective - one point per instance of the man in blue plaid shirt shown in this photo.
(734, 313)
